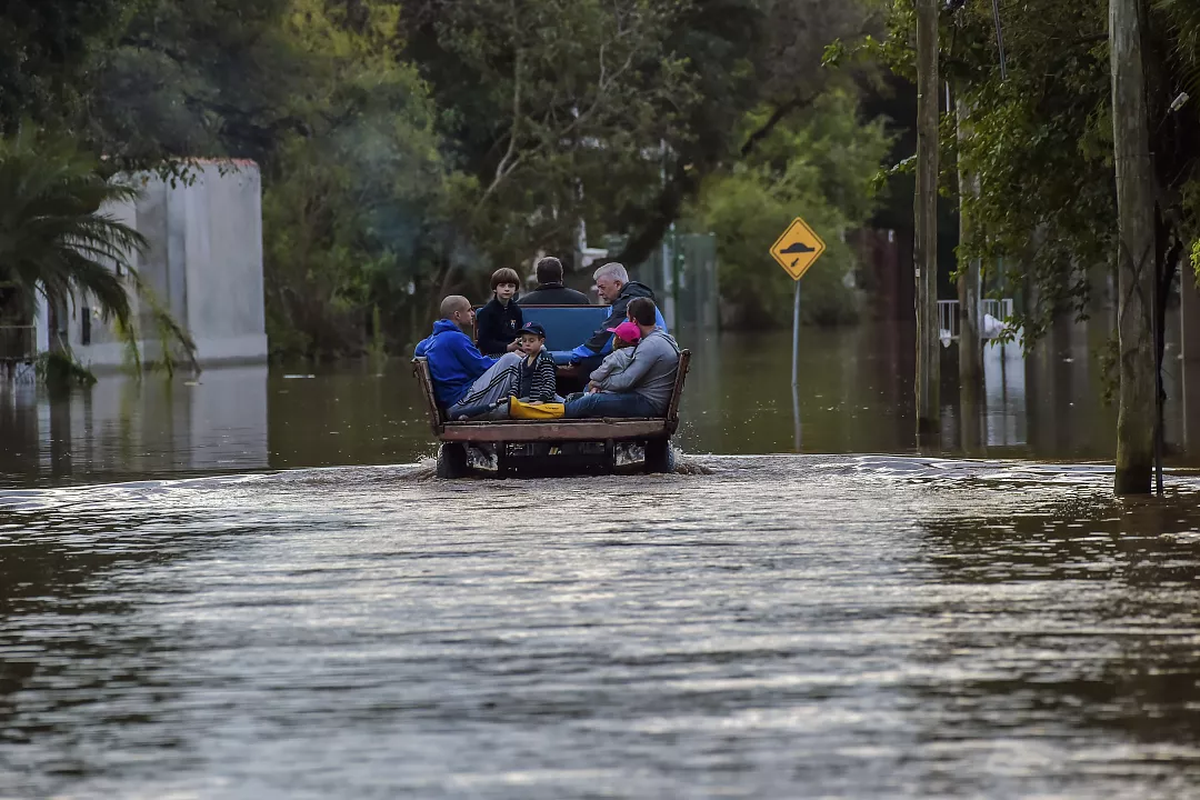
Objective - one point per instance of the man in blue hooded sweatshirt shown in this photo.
(464, 378)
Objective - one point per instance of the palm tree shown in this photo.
(54, 240)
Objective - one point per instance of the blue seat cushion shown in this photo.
(567, 326)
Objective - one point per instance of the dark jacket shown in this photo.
(537, 380)
(496, 326)
(454, 361)
(617, 315)
(555, 294)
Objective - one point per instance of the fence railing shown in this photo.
(948, 321)
(18, 342)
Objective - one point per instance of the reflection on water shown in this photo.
(784, 626)
(855, 396)
(123, 427)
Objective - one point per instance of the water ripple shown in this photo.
(789, 625)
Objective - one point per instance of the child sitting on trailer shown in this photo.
(625, 339)
(533, 382)
(537, 376)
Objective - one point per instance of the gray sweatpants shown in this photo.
(496, 384)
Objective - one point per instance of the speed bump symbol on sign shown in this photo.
(797, 249)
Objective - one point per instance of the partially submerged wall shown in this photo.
(203, 264)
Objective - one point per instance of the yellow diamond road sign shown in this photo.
(798, 248)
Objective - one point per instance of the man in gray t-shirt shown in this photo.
(642, 389)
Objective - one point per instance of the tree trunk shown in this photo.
(970, 358)
(925, 249)
(1136, 251)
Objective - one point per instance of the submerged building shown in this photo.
(203, 264)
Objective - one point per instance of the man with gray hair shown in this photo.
(612, 281)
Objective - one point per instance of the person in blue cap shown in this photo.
(538, 375)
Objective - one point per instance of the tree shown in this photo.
(355, 212)
(54, 239)
(46, 47)
(57, 241)
(743, 56)
(819, 162)
(557, 112)
(613, 113)
(1042, 147)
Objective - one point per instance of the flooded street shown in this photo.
(207, 594)
(855, 396)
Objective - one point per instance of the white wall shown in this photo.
(203, 263)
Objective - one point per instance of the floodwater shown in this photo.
(252, 587)
(855, 396)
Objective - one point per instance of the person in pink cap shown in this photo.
(625, 339)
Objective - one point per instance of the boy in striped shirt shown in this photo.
(537, 375)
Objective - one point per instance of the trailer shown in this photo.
(555, 446)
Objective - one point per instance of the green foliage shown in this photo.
(819, 165)
(57, 240)
(552, 110)
(60, 370)
(407, 148)
(353, 215)
(46, 49)
(54, 238)
(1041, 139)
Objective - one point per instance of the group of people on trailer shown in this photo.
(630, 361)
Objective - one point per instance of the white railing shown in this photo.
(948, 321)
(1001, 309)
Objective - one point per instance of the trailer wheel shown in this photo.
(660, 456)
(452, 460)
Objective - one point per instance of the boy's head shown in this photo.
(533, 336)
(627, 334)
(505, 282)
(642, 311)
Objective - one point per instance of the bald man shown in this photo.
(463, 378)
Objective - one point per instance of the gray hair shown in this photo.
(612, 270)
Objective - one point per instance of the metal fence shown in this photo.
(18, 342)
(948, 320)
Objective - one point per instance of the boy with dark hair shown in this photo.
(550, 290)
(497, 322)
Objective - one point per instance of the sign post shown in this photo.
(796, 250)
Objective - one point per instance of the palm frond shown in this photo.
(1183, 18)
(57, 240)
(54, 238)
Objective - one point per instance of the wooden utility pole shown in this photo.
(925, 250)
(1135, 253)
(970, 355)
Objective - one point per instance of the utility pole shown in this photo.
(925, 250)
(970, 367)
(1136, 252)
